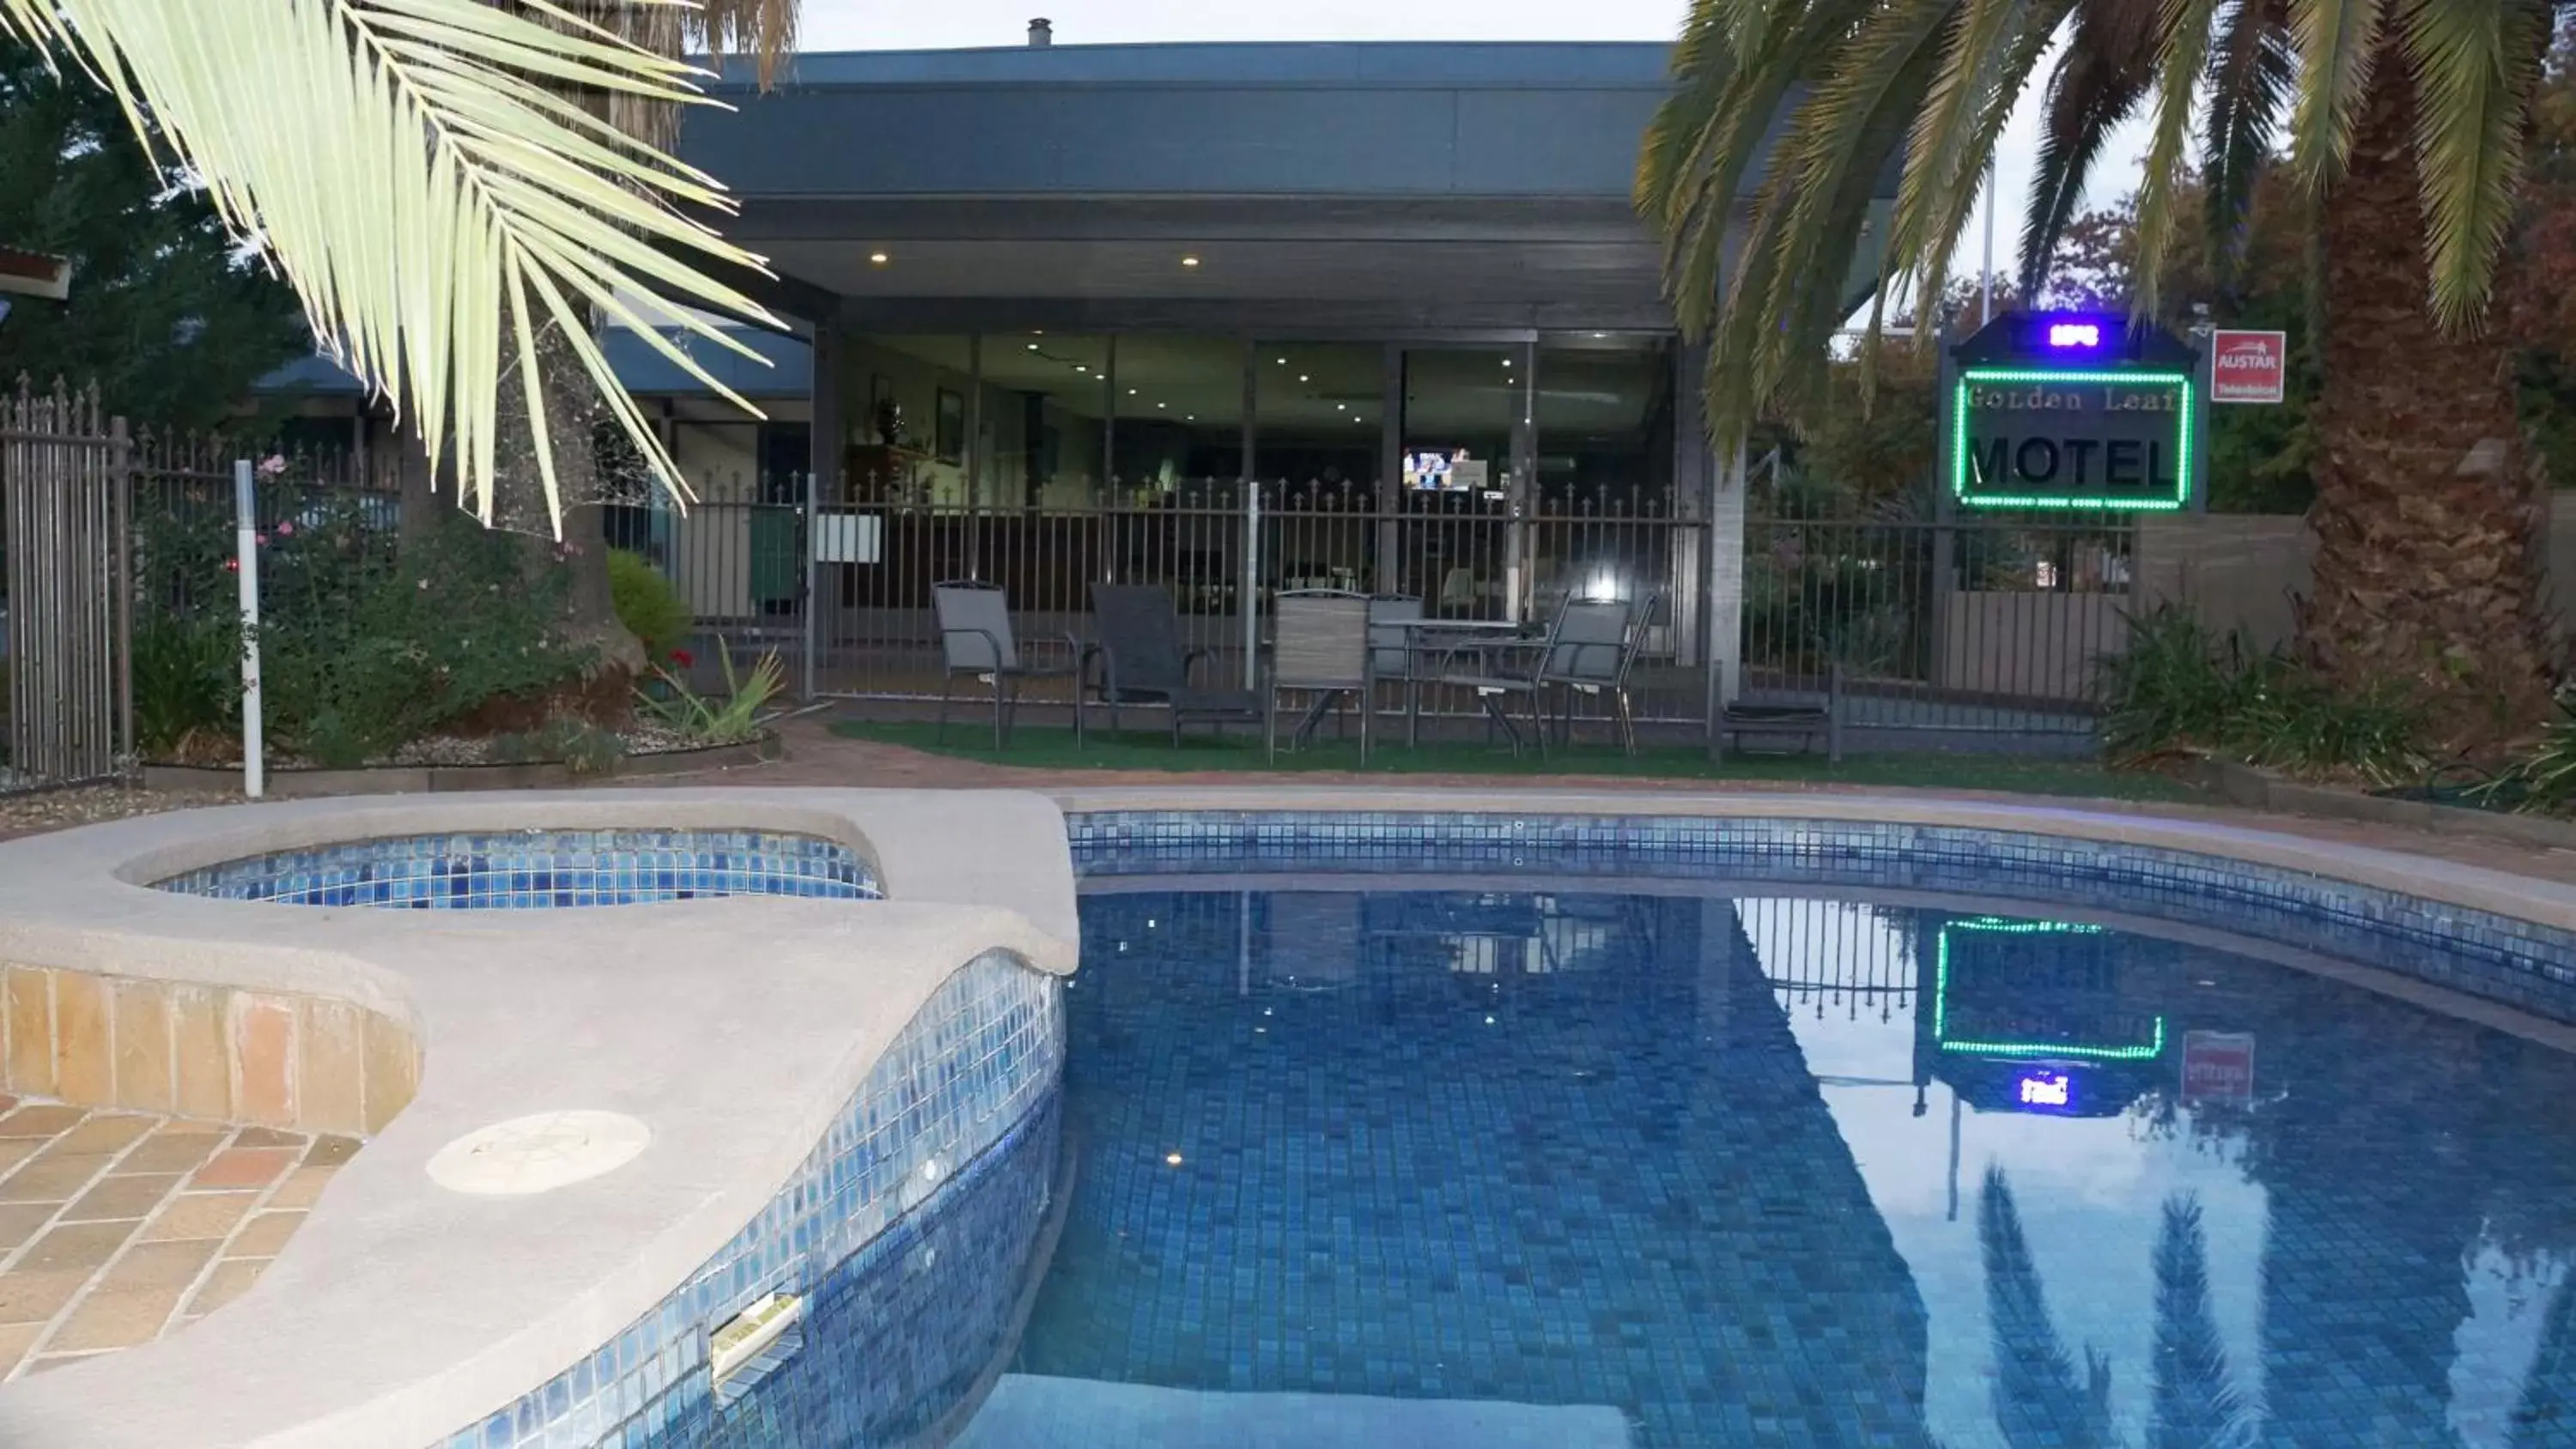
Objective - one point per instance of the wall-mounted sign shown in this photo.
(2248, 367)
(2218, 1066)
(2048, 410)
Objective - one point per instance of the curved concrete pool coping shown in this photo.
(734, 1028)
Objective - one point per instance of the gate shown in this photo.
(64, 467)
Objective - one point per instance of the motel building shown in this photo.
(1055, 304)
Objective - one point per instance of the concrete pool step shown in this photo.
(1030, 1411)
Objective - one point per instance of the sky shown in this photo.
(879, 25)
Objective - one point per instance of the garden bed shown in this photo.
(438, 766)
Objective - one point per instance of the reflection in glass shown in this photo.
(1603, 504)
(1043, 421)
(895, 390)
(1179, 411)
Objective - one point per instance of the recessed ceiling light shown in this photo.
(879, 258)
(1507, 362)
(1301, 377)
(1033, 347)
(1078, 367)
(1283, 362)
(1189, 261)
(1191, 418)
(1131, 392)
(1599, 335)
(1341, 407)
(1162, 405)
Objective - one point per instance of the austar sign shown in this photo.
(2248, 367)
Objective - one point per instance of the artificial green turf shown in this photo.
(1045, 748)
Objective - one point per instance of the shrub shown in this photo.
(2179, 686)
(187, 681)
(710, 719)
(647, 605)
(580, 746)
(379, 652)
(2545, 779)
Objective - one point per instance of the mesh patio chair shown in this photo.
(1390, 643)
(975, 639)
(1142, 661)
(1321, 645)
(1588, 651)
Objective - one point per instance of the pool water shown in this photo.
(1488, 1169)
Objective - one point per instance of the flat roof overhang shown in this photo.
(1321, 188)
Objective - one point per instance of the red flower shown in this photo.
(682, 658)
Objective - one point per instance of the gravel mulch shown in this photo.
(36, 812)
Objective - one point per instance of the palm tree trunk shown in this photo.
(2430, 514)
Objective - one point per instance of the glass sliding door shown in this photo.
(1463, 449)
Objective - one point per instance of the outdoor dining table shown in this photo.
(1490, 640)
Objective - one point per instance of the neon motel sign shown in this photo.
(2056, 418)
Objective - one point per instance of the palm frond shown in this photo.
(2107, 66)
(764, 30)
(2250, 75)
(1804, 227)
(2475, 66)
(415, 169)
(2184, 56)
(2011, 65)
(2038, 1401)
(2338, 42)
(2193, 1402)
(1737, 62)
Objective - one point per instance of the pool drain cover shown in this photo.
(538, 1154)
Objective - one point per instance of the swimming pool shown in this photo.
(1649, 1162)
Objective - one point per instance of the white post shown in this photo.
(1251, 600)
(246, 555)
(1986, 277)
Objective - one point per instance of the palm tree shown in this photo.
(2196, 1405)
(450, 186)
(2038, 1402)
(2405, 126)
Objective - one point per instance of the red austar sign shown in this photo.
(2248, 367)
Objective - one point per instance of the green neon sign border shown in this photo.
(1959, 440)
(1941, 1000)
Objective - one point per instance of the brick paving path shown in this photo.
(118, 1228)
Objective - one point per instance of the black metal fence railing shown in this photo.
(1978, 624)
(1975, 624)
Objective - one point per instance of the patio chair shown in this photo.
(1390, 643)
(1320, 644)
(1802, 715)
(975, 639)
(1142, 660)
(1588, 651)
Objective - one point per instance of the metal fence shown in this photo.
(1224, 550)
(1965, 626)
(1968, 625)
(62, 596)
